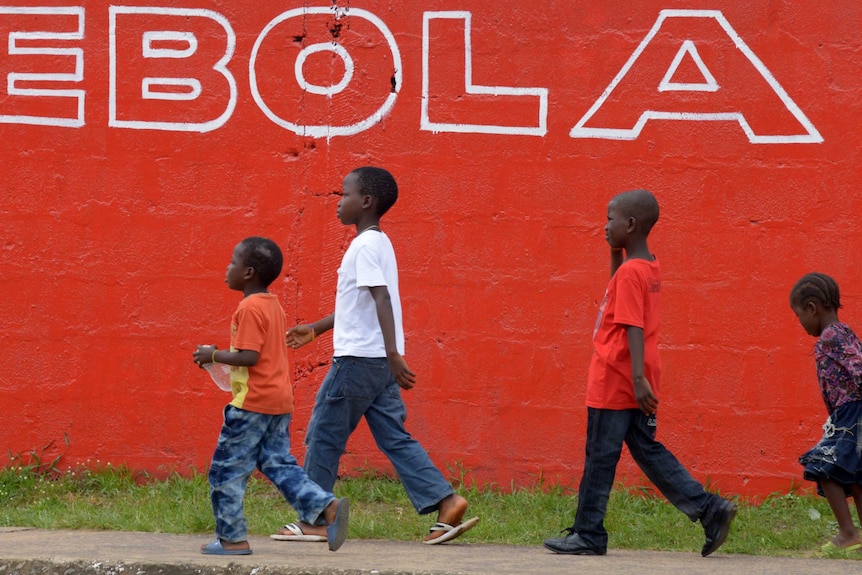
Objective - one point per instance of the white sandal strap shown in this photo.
(294, 528)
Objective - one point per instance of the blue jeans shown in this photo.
(606, 431)
(357, 387)
(250, 440)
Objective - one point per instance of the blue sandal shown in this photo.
(336, 533)
(215, 548)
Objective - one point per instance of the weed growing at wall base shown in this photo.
(116, 498)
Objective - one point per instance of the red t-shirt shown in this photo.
(258, 325)
(633, 298)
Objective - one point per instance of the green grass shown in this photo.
(791, 524)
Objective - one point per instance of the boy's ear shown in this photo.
(632, 224)
(249, 273)
(367, 201)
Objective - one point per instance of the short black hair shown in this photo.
(379, 184)
(641, 205)
(264, 256)
(816, 287)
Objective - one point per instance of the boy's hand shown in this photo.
(402, 374)
(203, 354)
(647, 401)
(299, 335)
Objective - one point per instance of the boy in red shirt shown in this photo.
(623, 391)
(256, 429)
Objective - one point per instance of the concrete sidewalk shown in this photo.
(26, 551)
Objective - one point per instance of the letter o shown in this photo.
(326, 131)
(322, 90)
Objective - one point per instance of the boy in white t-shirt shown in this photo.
(368, 367)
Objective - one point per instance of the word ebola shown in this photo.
(171, 69)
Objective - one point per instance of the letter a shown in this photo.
(747, 93)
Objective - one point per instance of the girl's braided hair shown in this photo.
(818, 288)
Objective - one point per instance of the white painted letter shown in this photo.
(749, 94)
(326, 130)
(30, 109)
(157, 45)
(503, 96)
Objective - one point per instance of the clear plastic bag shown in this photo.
(220, 374)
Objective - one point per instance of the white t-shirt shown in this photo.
(368, 262)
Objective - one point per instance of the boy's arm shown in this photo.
(248, 330)
(304, 333)
(616, 260)
(211, 354)
(643, 390)
(402, 374)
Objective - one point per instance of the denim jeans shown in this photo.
(606, 431)
(250, 440)
(357, 387)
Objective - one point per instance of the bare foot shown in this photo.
(308, 529)
(228, 546)
(841, 540)
(451, 512)
(330, 512)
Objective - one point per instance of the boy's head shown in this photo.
(640, 205)
(631, 212)
(379, 184)
(254, 257)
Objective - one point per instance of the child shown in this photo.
(623, 391)
(368, 366)
(256, 430)
(835, 463)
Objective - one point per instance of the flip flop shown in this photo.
(296, 534)
(829, 549)
(215, 548)
(450, 532)
(336, 533)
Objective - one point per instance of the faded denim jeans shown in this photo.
(607, 429)
(250, 440)
(355, 387)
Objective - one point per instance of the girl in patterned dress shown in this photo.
(835, 463)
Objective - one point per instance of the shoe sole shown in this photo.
(578, 552)
(336, 534)
(723, 533)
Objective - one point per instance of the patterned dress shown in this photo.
(838, 454)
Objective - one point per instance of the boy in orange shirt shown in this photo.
(256, 429)
(623, 391)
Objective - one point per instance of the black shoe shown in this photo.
(573, 544)
(718, 527)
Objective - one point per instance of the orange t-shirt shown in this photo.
(258, 325)
(633, 298)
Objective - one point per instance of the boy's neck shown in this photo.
(366, 224)
(638, 250)
(251, 290)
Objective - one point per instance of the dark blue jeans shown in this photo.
(358, 387)
(607, 429)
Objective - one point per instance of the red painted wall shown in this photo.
(121, 204)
